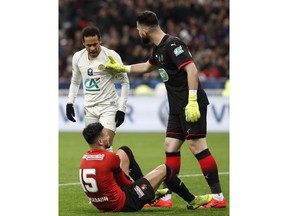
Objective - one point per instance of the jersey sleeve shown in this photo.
(179, 53)
(75, 80)
(124, 82)
(125, 88)
(152, 59)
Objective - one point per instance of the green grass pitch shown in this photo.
(149, 152)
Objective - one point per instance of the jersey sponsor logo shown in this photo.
(99, 199)
(163, 74)
(138, 191)
(90, 72)
(178, 50)
(92, 84)
(94, 157)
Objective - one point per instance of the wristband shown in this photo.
(128, 68)
(194, 92)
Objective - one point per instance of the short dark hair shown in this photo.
(148, 18)
(90, 31)
(92, 132)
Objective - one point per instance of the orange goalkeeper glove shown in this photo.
(192, 109)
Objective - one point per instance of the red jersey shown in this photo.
(102, 178)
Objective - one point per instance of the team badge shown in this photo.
(90, 72)
(143, 187)
(178, 51)
(101, 67)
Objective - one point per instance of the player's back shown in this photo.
(98, 182)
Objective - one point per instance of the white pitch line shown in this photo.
(181, 176)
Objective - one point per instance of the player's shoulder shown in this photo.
(107, 153)
(110, 52)
(79, 53)
(173, 41)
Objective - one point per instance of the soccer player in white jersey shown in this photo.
(101, 101)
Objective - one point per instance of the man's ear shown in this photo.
(100, 142)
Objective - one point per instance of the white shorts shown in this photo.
(105, 114)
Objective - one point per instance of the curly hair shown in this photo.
(90, 31)
(92, 132)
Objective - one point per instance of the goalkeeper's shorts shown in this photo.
(179, 128)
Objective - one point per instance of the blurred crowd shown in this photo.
(202, 24)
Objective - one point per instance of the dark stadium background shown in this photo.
(202, 24)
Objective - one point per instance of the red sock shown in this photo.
(209, 169)
(173, 160)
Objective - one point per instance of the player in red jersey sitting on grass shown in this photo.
(109, 188)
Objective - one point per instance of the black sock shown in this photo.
(177, 186)
(134, 169)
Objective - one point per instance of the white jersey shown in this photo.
(98, 85)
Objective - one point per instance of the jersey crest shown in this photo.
(178, 51)
(90, 72)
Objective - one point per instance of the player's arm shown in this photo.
(142, 67)
(118, 173)
(121, 178)
(113, 64)
(182, 58)
(192, 109)
(73, 89)
(192, 76)
(125, 88)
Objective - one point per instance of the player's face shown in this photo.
(92, 45)
(143, 34)
(105, 139)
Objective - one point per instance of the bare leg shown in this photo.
(124, 161)
(156, 176)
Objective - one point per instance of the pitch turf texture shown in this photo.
(149, 152)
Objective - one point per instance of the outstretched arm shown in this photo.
(142, 68)
(112, 64)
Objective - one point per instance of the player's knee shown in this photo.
(161, 169)
(168, 172)
(128, 152)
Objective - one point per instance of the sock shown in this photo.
(210, 171)
(177, 186)
(173, 160)
(134, 168)
(219, 196)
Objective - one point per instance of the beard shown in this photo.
(145, 40)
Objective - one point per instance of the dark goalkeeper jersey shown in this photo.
(170, 56)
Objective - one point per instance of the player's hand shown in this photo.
(70, 112)
(119, 118)
(192, 109)
(112, 64)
